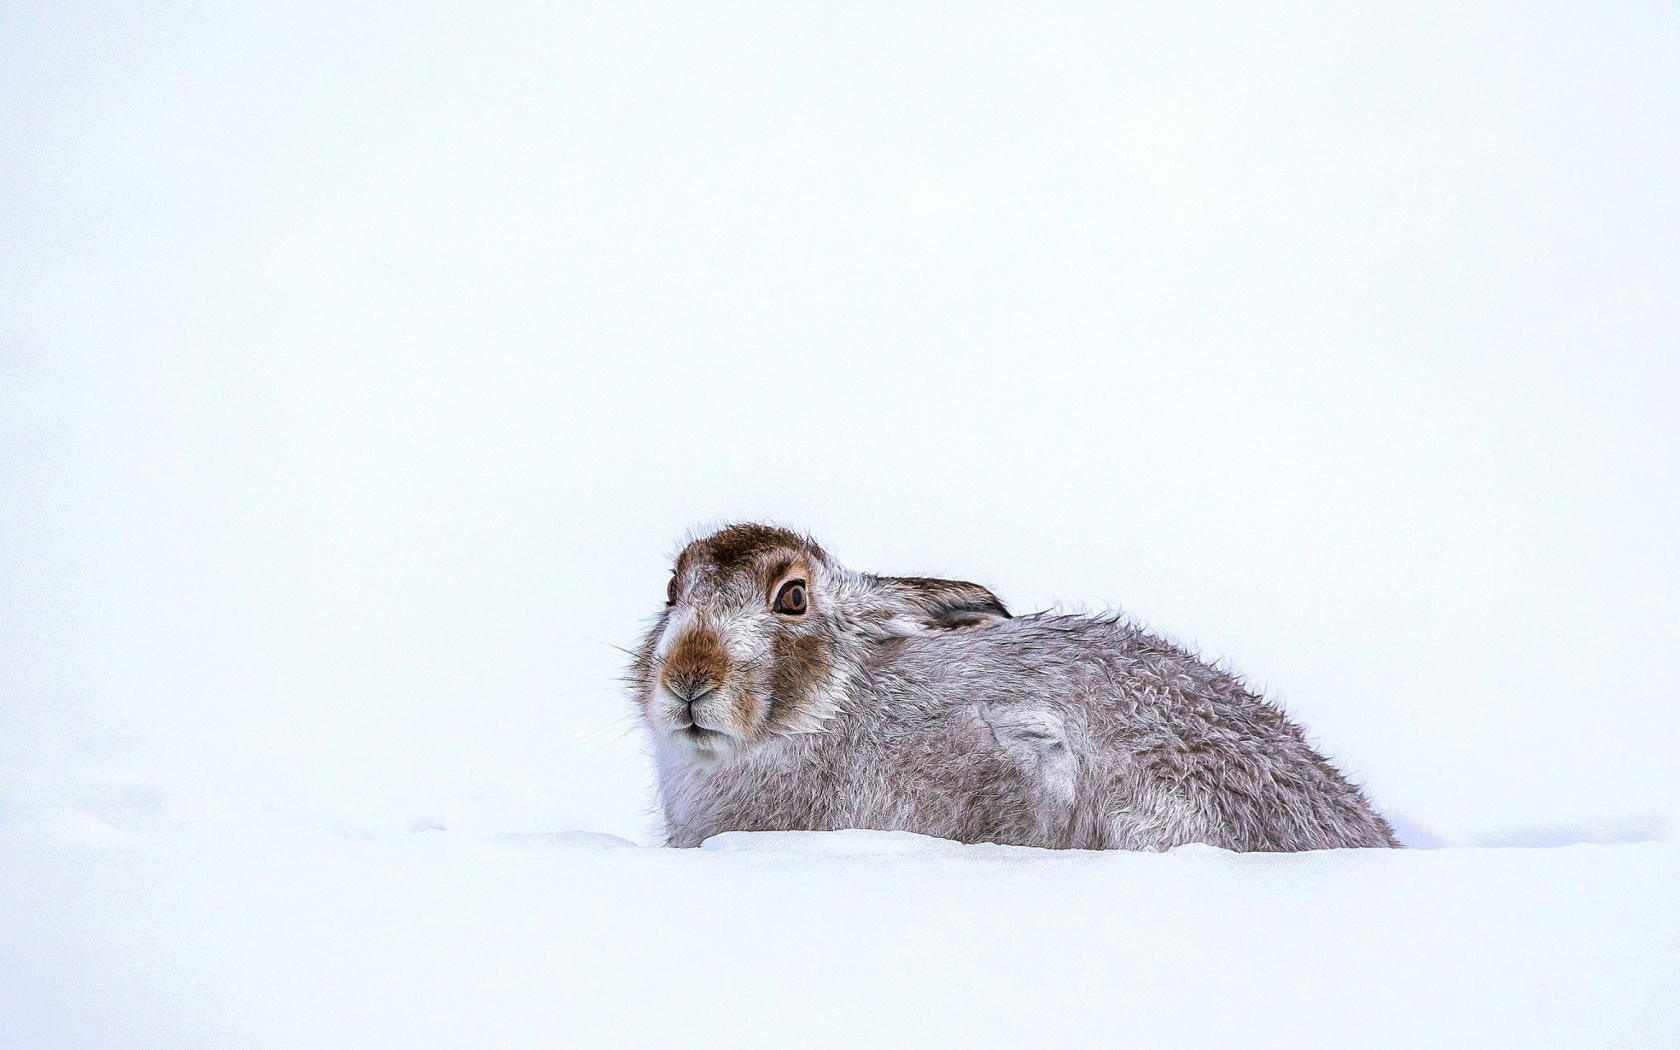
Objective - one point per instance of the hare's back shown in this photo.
(1101, 667)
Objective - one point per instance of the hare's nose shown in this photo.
(690, 690)
(696, 665)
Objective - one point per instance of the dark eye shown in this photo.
(790, 600)
(672, 590)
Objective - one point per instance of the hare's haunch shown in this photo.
(784, 691)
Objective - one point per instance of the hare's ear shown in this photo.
(915, 604)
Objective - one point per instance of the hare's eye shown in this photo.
(790, 600)
(672, 590)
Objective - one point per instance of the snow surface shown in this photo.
(275, 936)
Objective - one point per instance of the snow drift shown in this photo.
(265, 935)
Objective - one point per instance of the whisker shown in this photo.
(598, 751)
(613, 723)
(633, 654)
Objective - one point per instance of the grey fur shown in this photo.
(920, 705)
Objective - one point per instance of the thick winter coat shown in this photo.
(783, 691)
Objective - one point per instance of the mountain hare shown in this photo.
(784, 691)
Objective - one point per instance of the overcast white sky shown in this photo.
(361, 365)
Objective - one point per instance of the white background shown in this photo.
(359, 369)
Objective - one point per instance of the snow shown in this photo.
(264, 935)
(360, 364)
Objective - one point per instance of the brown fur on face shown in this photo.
(697, 662)
(799, 661)
(739, 545)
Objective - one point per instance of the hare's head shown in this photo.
(762, 629)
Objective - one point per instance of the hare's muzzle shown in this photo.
(695, 667)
